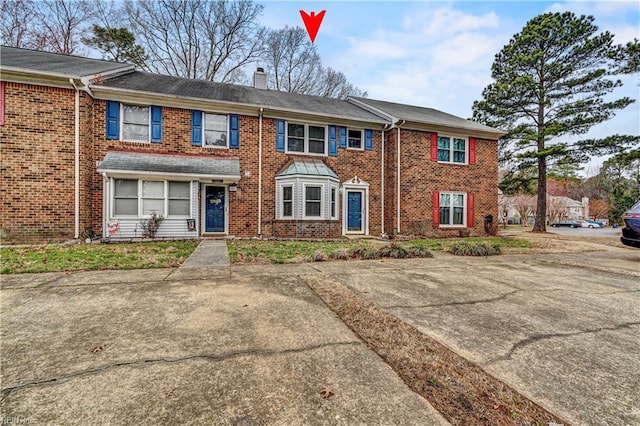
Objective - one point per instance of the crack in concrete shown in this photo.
(468, 302)
(151, 361)
(538, 337)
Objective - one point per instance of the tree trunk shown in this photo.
(540, 224)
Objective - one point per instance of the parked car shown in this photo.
(566, 223)
(597, 222)
(588, 224)
(631, 232)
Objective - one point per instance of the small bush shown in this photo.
(463, 248)
(339, 254)
(150, 226)
(394, 250)
(415, 251)
(319, 256)
(370, 253)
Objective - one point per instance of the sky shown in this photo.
(439, 54)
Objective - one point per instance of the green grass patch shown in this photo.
(87, 257)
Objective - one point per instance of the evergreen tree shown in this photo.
(550, 86)
(117, 44)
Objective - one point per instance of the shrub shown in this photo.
(394, 250)
(463, 248)
(369, 253)
(339, 254)
(150, 226)
(319, 256)
(415, 251)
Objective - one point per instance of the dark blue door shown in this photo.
(354, 211)
(214, 208)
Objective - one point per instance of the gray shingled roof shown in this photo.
(246, 95)
(423, 115)
(170, 164)
(52, 63)
(304, 166)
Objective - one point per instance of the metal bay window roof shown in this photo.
(306, 167)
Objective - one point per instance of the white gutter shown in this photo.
(76, 163)
(382, 185)
(260, 173)
(105, 207)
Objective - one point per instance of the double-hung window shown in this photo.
(452, 149)
(313, 201)
(287, 201)
(179, 198)
(125, 197)
(215, 130)
(334, 203)
(452, 209)
(306, 138)
(135, 123)
(354, 139)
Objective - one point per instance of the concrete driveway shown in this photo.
(257, 347)
(563, 329)
(141, 347)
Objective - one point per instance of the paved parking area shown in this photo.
(254, 345)
(558, 331)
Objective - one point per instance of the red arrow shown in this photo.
(312, 23)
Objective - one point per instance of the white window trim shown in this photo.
(336, 202)
(203, 208)
(122, 105)
(323, 196)
(466, 149)
(293, 199)
(306, 139)
(140, 198)
(464, 209)
(362, 136)
(204, 131)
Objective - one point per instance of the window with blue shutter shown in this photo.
(280, 129)
(343, 137)
(368, 139)
(234, 131)
(113, 120)
(333, 149)
(156, 124)
(196, 128)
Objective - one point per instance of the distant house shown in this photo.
(514, 208)
(93, 148)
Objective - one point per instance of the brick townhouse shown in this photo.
(94, 148)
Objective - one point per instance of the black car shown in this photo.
(566, 223)
(631, 232)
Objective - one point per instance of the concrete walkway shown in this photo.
(209, 259)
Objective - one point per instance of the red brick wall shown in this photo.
(37, 164)
(38, 171)
(420, 177)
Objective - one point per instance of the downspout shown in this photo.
(382, 185)
(105, 206)
(398, 181)
(77, 163)
(260, 172)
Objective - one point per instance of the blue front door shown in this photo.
(214, 208)
(354, 211)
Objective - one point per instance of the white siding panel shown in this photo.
(169, 228)
(195, 205)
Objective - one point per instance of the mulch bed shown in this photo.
(460, 390)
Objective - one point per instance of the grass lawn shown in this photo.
(84, 257)
(266, 251)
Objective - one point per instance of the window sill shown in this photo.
(215, 147)
(452, 226)
(305, 153)
(453, 163)
(355, 149)
(136, 142)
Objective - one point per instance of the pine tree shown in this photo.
(550, 87)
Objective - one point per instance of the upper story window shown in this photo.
(452, 149)
(215, 130)
(354, 139)
(135, 123)
(306, 138)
